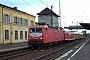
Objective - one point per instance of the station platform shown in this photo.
(83, 53)
(7, 47)
(80, 52)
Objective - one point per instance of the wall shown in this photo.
(11, 26)
(55, 21)
(44, 18)
(47, 19)
(1, 32)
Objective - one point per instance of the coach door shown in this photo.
(47, 34)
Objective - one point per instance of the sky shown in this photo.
(73, 12)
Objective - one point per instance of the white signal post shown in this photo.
(59, 14)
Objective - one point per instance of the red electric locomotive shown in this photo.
(44, 35)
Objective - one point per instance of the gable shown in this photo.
(47, 11)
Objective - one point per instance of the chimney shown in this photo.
(15, 8)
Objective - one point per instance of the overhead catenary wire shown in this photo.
(53, 7)
(27, 3)
(43, 3)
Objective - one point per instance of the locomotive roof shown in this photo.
(60, 28)
(38, 26)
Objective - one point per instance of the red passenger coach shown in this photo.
(73, 35)
(69, 35)
(44, 35)
(78, 35)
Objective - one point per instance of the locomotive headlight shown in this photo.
(41, 38)
(29, 38)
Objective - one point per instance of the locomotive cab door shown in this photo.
(47, 40)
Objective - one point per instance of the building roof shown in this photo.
(47, 11)
(85, 25)
(15, 9)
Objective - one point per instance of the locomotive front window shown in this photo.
(39, 30)
(35, 31)
(32, 30)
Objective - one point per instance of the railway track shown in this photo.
(54, 54)
(48, 54)
(14, 53)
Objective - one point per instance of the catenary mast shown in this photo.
(59, 14)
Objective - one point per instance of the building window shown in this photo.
(6, 34)
(21, 34)
(25, 22)
(31, 23)
(21, 21)
(16, 19)
(25, 34)
(16, 34)
(6, 18)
